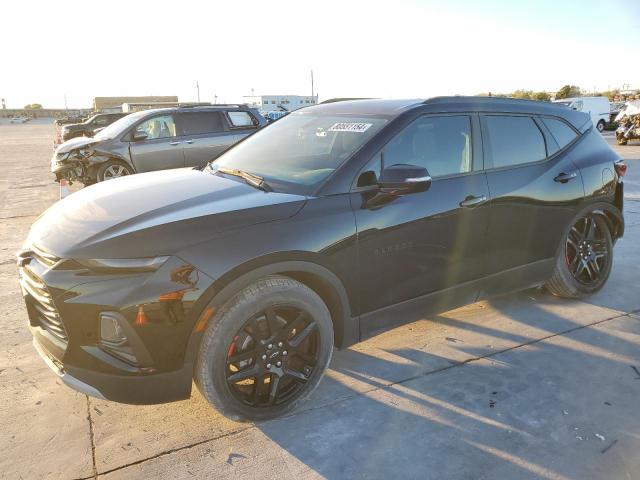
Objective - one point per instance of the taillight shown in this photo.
(621, 168)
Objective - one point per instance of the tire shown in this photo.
(226, 337)
(600, 126)
(113, 169)
(564, 282)
(622, 141)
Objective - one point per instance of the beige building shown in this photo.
(114, 104)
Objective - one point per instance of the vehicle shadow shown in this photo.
(468, 404)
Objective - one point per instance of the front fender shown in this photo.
(317, 277)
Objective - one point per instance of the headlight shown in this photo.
(124, 265)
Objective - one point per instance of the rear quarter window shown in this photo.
(241, 119)
(562, 133)
(512, 140)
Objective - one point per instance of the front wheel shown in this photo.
(584, 262)
(265, 350)
(113, 169)
(600, 126)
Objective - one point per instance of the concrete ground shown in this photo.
(522, 386)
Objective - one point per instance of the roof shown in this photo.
(393, 108)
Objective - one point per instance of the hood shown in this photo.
(75, 143)
(630, 108)
(152, 214)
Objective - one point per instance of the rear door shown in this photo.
(161, 149)
(205, 136)
(535, 191)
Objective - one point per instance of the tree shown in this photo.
(33, 106)
(526, 94)
(542, 96)
(568, 91)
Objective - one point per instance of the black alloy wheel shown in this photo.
(587, 251)
(265, 350)
(272, 356)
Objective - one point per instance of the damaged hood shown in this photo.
(630, 108)
(75, 143)
(152, 214)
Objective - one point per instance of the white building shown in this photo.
(280, 103)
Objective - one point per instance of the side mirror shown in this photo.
(139, 136)
(401, 179)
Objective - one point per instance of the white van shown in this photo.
(597, 107)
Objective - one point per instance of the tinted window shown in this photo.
(196, 123)
(513, 140)
(240, 119)
(562, 132)
(158, 127)
(440, 144)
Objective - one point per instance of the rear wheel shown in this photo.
(265, 350)
(600, 126)
(112, 169)
(584, 263)
(622, 140)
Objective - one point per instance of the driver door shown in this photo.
(161, 149)
(420, 248)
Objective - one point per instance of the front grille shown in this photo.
(42, 310)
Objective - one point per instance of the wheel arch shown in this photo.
(317, 277)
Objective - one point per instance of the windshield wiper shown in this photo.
(253, 180)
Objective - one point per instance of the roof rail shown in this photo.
(203, 104)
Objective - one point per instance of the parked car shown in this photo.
(89, 126)
(628, 120)
(19, 120)
(334, 223)
(598, 108)
(155, 140)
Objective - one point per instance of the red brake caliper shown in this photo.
(232, 347)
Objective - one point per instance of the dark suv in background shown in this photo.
(158, 139)
(334, 223)
(89, 126)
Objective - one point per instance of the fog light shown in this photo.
(111, 332)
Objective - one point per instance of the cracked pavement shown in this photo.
(521, 386)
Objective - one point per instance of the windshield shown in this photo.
(119, 126)
(297, 152)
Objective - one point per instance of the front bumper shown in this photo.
(67, 379)
(64, 322)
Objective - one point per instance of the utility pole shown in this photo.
(215, 98)
(65, 102)
(312, 97)
(198, 88)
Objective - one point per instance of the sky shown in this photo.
(390, 49)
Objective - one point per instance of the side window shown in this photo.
(440, 144)
(101, 121)
(241, 119)
(197, 123)
(513, 140)
(562, 132)
(158, 127)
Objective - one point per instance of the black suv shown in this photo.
(89, 126)
(157, 139)
(330, 225)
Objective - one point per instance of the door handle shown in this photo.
(565, 177)
(174, 143)
(189, 141)
(472, 201)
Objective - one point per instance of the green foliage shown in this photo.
(33, 106)
(568, 91)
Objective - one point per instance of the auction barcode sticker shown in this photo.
(350, 127)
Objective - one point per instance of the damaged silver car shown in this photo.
(628, 123)
(156, 139)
